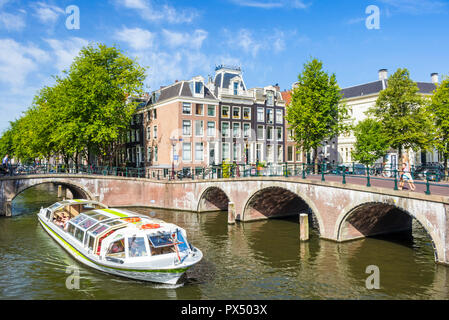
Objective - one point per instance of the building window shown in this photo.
(199, 128)
(260, 115)
(155, 113)
(290, 134)
(211, 110)
(290, 153)
(148, 133)
(280, 154)
(236, 152)
(199, 109)
(149, 153)
(155, 132)
(225, 152)
(259, 153)
(198, 87)
(270, 116)
(270, 98)
(155, 154)
(235, 112)
(186, 108)
(236, 88)
(279, 116)
(225, 111)
(199, 149)
(247, 113)
(186, 128)
(270, 133)
(260, 133)
(279, 133)
(236, 130)
(149, 115)
(270, 153)
(186, 151)
(211, 129)
(298, 156)
(247, 130)
(225, 130)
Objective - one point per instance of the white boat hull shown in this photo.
(161, 275)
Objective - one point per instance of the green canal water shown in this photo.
(259, 260)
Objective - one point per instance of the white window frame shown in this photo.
(185, 153)
(239, 132)
(222, 151)
(272, 133)
(202, 128)
(243, 113)
(244, 131)
(281, 130)
(279, 116)
(154, 132)
(263, 132)
(268, 118)
(240, 114)
(215, 110)
(293, 154)
(202, 110)
(183, 131)
(229, 129)
(184, 104)
(202, 151)
(260, 113)
(229, 112)
(215, 129)
(236, 152)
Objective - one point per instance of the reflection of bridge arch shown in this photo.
(376, 218)
(213, 199)
(273, 202)
(77, 191)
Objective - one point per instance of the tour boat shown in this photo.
(119, 241)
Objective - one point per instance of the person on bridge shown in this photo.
(406, 173)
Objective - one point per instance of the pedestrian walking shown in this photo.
(406, 173)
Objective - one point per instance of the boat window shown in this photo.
(136, 247)
(78, 219)
(47, 214)
(161, 244)
(117, 249)
(114, 223)
(91, 242)
(100, 217)
(54, 206)
(71, 229)
(99, 230)
(79, 234)
(87, 223)
(182, 243)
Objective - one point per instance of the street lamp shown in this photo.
(173, 143)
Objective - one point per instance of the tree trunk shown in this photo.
(445, 168)
(315, 160)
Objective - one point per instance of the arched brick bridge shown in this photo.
(340, 212)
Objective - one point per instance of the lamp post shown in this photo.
(173, 143)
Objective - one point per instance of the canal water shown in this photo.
(259, 260)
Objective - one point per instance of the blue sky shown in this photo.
(269, 39)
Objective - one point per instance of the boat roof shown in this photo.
(73, 202)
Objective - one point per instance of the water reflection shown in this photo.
(259, 260)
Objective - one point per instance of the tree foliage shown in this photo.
(440, 109)
(87, 109)
(315, 112)
(403, 113)
(371, 144)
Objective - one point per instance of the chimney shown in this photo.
(435, 79)
(277, 87)
(383, 74)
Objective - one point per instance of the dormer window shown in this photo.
(270, 98)
(198, 87)
(236, 88)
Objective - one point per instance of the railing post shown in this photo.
(427, 184)
(395, 179)
(303, 171)
(322, 172)
(368, 183)
(344, 175)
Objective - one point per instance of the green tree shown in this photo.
(440, 109)
(99, 82)
(371, 144)
(315, 112)
(403, 113)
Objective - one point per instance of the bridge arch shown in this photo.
(377, 217)
(213, 199)
(78, 191)
(274, 201)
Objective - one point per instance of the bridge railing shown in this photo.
(430, 177)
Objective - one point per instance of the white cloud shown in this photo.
(18, 61)
(246, 40)
(137, 39)
(12, 22)
(66, 50)
(416, 6)
(270, 4)
(165, 13)
(176, 39)
(47, 13)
